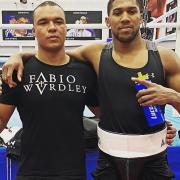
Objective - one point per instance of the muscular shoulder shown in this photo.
(170, 60)
(165, 52)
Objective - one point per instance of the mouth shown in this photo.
(54, 37)
(126, 27)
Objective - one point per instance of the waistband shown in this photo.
(131, 146)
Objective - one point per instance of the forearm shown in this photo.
(21, 56)
(74, 53)
(175, 101)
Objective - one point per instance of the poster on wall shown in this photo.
(84, 17)
(172, 18)
(17, 17)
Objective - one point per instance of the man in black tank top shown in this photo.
(130, 148)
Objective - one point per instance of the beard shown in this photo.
(125, 38)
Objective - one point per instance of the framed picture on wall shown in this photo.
(84, 17)
(172, 18)
(17, 17)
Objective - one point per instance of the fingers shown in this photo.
(147, 94)
(7, 72)
(9, 77)
(169, 141)
(169, 138)
(4, 72)
(149, 97)
(144, 95)
(147, 103)
(153, 95)
(142, 92)
(19, 73)
(171, 133)
(169, 124)
(143, 82)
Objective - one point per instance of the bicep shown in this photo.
(171, 65)
(172, 72)
(173, 81)
(5, 114)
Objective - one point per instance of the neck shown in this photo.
(124, 48)
(53, 57)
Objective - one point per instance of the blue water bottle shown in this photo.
(153, 114)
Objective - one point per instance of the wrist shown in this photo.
(174, 100)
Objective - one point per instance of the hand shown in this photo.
(155, 94)
(13, 63)
(171, 133)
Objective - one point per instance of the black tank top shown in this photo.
(120, 111)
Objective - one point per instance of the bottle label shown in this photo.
(153, 114)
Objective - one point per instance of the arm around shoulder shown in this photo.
(15, 62)
(89, 53)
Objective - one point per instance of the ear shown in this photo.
(33, 31)
(141, 18)
(107, 22)
(66, 29)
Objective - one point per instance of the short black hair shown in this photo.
(46, 3)
(110, 2)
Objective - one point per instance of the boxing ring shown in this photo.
(9, 167)
(154, 24)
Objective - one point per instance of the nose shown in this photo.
(125, 17)
(52, 26)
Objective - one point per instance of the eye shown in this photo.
(117, 12)
(132, 11)
(42, 22)
(59, 21)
